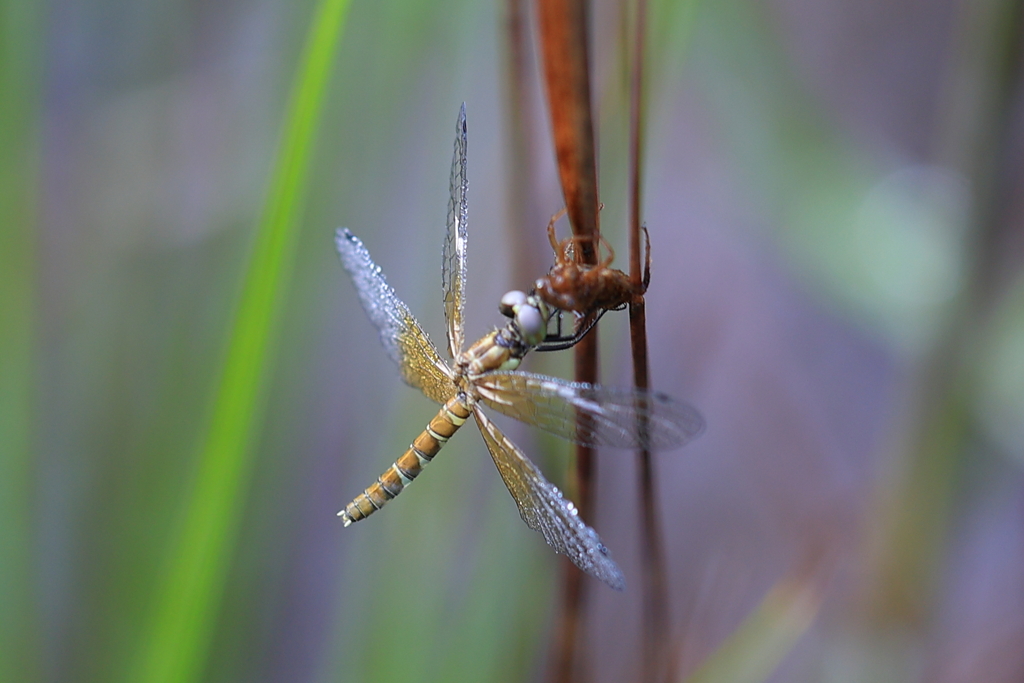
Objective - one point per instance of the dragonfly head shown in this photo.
(529, 316)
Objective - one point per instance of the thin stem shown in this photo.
(656, 626)
(563, 28)
(523, 205)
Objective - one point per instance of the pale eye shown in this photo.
(531, 325)
(510, 302)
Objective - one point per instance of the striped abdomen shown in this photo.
(452, 415)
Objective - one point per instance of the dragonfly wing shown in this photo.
(403, 338)
(453, 258)
(544, 509)
(622, 418)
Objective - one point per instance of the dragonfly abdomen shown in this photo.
(449, 418)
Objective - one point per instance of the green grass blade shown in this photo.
(177, 640)
(757, 647)
(19, 65)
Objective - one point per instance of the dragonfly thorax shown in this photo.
(496, 350)
(504, 348)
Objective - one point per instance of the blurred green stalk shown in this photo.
(757, 647)
(19, 174)
(177, 639)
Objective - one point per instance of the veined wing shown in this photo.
(403, 338)
(453, 258)
(623, 418)
(544, 509)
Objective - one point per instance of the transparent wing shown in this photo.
(623, 418)
(453, 258)
(403, 338)
(544, 509)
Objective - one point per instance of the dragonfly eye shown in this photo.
(511, 302)
(531, 323)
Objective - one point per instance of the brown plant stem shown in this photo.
(521, 143)
(656, 628)
(563, 26)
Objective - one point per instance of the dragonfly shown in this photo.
(485, 374)
(588, 290)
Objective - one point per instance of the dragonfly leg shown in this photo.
(560, 342)
(551, 234)
(608, 247)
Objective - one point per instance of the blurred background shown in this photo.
(833, 192)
